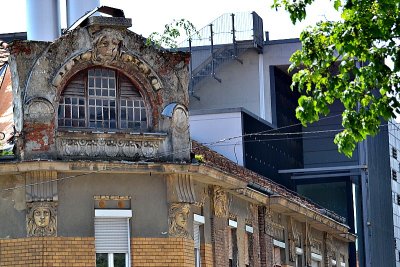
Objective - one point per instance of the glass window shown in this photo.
(102, 98)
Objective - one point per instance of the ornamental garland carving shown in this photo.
(101, 147)
(220, 202)
(41, 219)
(177, 220)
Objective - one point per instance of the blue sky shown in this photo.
(150, 16)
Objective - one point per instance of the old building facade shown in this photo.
(102, 173)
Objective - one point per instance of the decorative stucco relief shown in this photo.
(70, 146)
(177, 220)
(106, 46)
(39, 109)
(41, 219)
(220, 202)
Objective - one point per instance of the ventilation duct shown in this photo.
(43, 20)
(78, 8)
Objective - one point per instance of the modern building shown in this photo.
(241, 97)
(98, 168)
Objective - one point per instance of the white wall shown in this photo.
(208, 128)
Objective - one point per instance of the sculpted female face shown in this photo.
(181, 219)
(41, 216)
(107, 48)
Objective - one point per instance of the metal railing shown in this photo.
(223, 39)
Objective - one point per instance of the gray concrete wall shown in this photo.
(239, 86)
(149, 206)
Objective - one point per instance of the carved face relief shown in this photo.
(178, 215)
(220, 202)
(107, 46)
(41, 219)
(41, 216)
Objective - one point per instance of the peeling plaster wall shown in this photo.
(12, 207)
(40, 70)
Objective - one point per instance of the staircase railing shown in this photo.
(223, 39)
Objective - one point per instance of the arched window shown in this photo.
(102, 98)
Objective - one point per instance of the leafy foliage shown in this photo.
(171, 33)
(346, 61)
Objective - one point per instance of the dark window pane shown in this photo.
(98, 102)
(143, 115)
(119, 259)
(104, 72)
(81, 123)
(123, 113)
(92, 124)
(101, 260)
(91, 91)
(112, 83)
(130, 124)
(123, 103)
(130, 114)
(98, 113)
(130, 103)
(68, 111)
(98, 72)
(92, 113)
(105, 92)
(112, 113)
(123, 124)
(137, 114)
(98, 92)
(81, 112)
(104, 83)
(75, 123)
(67, 122)
(67, 100)
(112, 103)
(91, 82)
(113, 124)
(98, 82)
(112, 92)
(91, 72)
(60, 122)
(74, 112)
(91, 102)
(81, 101)
(74, 101)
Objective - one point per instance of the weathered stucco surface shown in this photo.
(41, 70)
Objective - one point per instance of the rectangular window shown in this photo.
(198, 228)
(112, 238)
(398, 199)
(394, 175)
(248, 246)
(394, 152)
(278, 253)
(232, 244)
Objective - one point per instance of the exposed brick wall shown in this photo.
(220, 239)
(47, 251)
(206, 255)
(176, 252)
(256, 240)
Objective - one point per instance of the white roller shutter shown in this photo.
(196, 235)
(111, 235)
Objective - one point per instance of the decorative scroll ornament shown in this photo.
(41, 219)
(177, 220)
(220, 202)
(101, 147)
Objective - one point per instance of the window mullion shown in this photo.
(110, 259)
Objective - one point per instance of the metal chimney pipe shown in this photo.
(78, 8)
(43, 20)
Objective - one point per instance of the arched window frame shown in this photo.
(81, 106)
